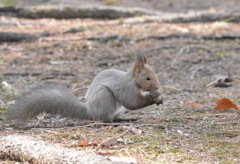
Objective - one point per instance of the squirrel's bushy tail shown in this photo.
(49, 99)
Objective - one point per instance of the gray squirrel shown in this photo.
(111, 92)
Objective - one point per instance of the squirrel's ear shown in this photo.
(140, 60)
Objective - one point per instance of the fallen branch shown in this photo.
(103, 39)
(65, 126)
(192, 36)
(204, 17)
(234, 131)
(105, 124)
(115, 12)
(28, 149)
(16, 37)
(70, 12)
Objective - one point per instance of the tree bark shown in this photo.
(27, 149)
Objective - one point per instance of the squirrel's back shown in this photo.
(109, 77)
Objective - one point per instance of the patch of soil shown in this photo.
(187, 69)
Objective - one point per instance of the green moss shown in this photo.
(219, 54)
(111, 2)
(2, 112)
(61, 135)
(226, 147)
(224, 150)
(97, 29)
(76, 137)
(9, 2)
(175, 150)
(227, 20)
(7, 94)
(229, 161)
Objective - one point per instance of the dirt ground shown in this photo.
(186, 128)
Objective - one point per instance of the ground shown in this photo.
(186, 128)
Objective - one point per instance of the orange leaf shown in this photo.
(96, 143)
(94, 119)
(84, 143)
(224, 104)
(164, 118)
(192, 104)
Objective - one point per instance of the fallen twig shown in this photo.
(192, 36)
(110, 141)
(180, 91)
(105, 124)
(187, 49)
(103, 39)
(83, 124)
(235, 131)
(16, 37)
(70, 12)
(204, 16)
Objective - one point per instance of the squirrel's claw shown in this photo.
(160, 101)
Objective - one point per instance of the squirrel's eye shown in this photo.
(148, 78)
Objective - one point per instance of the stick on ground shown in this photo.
(28, 149)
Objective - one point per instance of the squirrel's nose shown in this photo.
(154, 87)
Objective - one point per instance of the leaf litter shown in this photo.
(190, 132)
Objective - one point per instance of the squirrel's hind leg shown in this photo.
(102, 105)
(120, 110)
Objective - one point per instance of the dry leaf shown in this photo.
(96, 143)
(164, 118)
(192, 104)
(94, 119)
(224, 104)
(137, 131)
(84, 143)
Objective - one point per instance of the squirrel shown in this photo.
(110, 94)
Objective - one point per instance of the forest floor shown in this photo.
(197, 64)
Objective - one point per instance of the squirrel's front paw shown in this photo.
(159, 100)
(156, 96)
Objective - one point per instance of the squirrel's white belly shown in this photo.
(120, 110)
